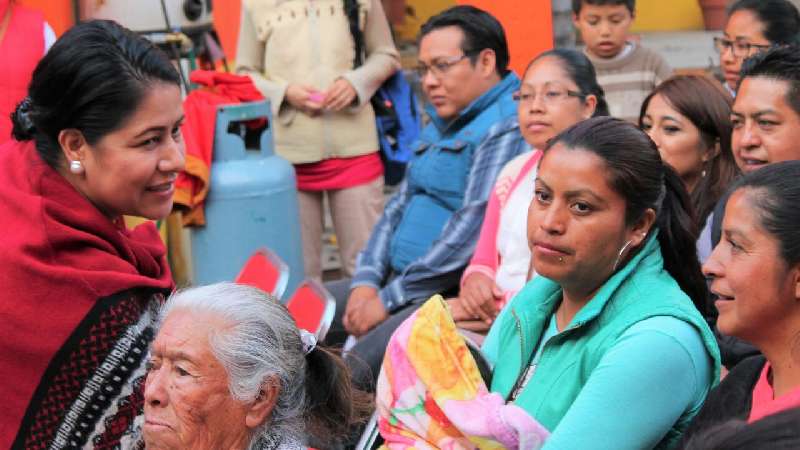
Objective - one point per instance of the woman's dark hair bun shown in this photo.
(23, 126)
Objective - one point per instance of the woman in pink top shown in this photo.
(559, 89)
(756, 275)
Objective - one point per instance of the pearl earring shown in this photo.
(76, 167)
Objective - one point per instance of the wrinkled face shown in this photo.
(576, 221)
(756, 288)
(547, 102)
(187, 400)
(132, 170)
(743, 27)
(604, 28)
(766, 129)
(452, 81)
(678, 140)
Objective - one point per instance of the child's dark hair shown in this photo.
(780, 18)
(577, 4)
(634, 170)
(92, 80)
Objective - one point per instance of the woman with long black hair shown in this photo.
(607, 347)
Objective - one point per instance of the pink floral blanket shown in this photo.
(430, 393)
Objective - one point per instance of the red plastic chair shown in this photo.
(266, 271)
(313, 308)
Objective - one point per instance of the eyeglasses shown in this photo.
(551, 96)
(740, 49)
(440, 67)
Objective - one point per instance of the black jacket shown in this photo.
(732, 399)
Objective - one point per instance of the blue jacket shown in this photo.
(437, 177)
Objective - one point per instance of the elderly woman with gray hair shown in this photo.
(230, 369)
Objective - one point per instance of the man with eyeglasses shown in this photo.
(429, 229)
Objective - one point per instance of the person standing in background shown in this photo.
(24, 38)
(300, 54)
(626, 70)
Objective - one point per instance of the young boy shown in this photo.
(626, 71)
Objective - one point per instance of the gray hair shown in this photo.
(263, 342)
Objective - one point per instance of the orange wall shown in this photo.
(58, 13)
(528, 25)
(226, 20)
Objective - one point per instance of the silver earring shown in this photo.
(76, 167)
(620, 255)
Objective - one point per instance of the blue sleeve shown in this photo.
(372, 264)
(441, 266)
(656, 371)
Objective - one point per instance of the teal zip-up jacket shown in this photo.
(640, 290)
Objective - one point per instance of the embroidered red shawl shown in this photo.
(78, 296)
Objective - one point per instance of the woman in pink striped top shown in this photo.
(559, 89)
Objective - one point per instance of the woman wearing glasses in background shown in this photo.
(559, 88)
(752, 26)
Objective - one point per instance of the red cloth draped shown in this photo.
(62, 262)
(200, 107)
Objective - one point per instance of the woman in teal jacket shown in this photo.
(607, 348)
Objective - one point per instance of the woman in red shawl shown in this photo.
(98, 137)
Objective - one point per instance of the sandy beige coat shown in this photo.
(309, 42)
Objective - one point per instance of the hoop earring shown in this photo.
(619, 255)
(76, 167)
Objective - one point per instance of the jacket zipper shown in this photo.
(518, 322)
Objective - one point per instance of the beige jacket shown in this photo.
(309, 42)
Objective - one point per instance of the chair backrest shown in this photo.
(266, 271)
(313, 308)
(371, 434)
(484, 366)
(371, 438)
